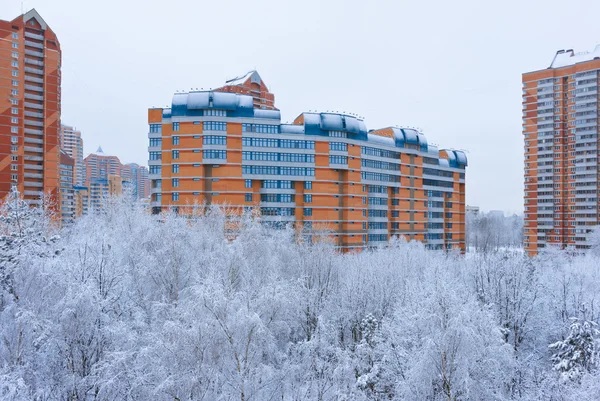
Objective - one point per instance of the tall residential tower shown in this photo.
(30, 60)
(325, 170)
(560, 126)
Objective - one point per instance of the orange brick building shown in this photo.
(326, 170)
(560, 128)
(30, 98)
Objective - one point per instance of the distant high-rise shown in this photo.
(30, 99)
(560, 128)
(67, 199)
(72, 144)
(99, 165)
(137, 176)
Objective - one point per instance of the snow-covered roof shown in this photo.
(242, 79)
(565, 58)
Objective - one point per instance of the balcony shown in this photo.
(33, 175)
(34, 88)
(32, 131)
(33, 36)
(33, 105)
(34, 71)
(33, 184)
(32, 96)
(34, 123)
(33, 149)
(34, 44)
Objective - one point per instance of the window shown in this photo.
(14, 120)
(14, 92)
(155, 155)
(14, 167)
(175, 196)
(14, 130)
(175, 140)
(15, 35)
(175, 168)
(338, 134)
(335, 159)
(175, 154)
(215, 154)
(216, 113)
(15, 83)
(14, 63)
(261, 128)
(15, 73)
(339, 146)
(214, 126)
(14, 110)
(175, 126)
(214, 140)
(248, 183)
(14, 177)
(155, 128)
(175, 182)
(154, 170)
(14, 101)
(14, 158)
(248, 197)
(395, 213)
(307, 198)
(14, 139)
(307, 184)
(154, 142)
(308, 211)
(15, 55)
(15, 45)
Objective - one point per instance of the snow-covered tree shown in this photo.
(579, 352)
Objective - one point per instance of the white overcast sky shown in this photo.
(451, 68)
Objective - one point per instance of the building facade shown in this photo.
(67, 196)
(137, 176)
(72, 144)
(324, 171)
(30, 98)
(560, 128)
(99, 165)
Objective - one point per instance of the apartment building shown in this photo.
(72, 144)
(30, 98)
(137, 176)
(99, 165)
(323, 171)
(560, 128)
(67, 197)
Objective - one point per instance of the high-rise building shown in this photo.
(72, 144)
(67, 197)
(82, 200)
(326, 170)
(560, 128)
(99, 165)
(30, 98)
(137, 176)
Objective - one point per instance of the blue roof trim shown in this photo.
(410, 136)
(461, 158)
(382, 140)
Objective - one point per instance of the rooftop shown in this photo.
(564, 58)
